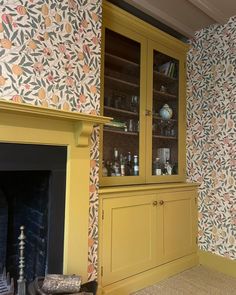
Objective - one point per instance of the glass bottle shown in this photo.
(116, 154)
(168, 168)
(157, 167)
(136, 167)
(122, 165)
(104, 169)
(164, 170)
(116, 165)
(128, 165)
(175, 168)
(134, 104)
(112, 170)
(108, 166)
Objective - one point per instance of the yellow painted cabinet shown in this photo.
(142, 230)
(147, 230)
(143, 90)
(179, 223)
(129, 236)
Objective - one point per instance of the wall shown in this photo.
(211, 134)
(50, 57)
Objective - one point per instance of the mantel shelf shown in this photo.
(51, 113)
(83, 122)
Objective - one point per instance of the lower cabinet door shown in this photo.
(129, 236)
(179, 224)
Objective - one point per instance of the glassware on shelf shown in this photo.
(108, 101)
(104, 169)
(157, 167)
(163, 154)
(154, 128)
(128, 168)
(116, 164)
(175, 169)
(134, 104)
(118, 100)
(136, 166)
(163, 89)
(167, 128)
(168, 167)
(122, 165)
(112, 170)
(131, 125)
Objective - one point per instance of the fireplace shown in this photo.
(32, 125)
(32, 193)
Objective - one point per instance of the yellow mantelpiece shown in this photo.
(27, 124)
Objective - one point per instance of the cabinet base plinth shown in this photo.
(150, 277)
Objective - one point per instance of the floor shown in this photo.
(196, 281)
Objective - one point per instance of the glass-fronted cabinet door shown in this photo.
(165, 115)
(123, 141)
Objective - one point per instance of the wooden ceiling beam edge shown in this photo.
(210, 10)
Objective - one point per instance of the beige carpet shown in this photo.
(196, 281)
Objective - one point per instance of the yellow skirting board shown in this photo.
(218, 263)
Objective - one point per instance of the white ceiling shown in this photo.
(187, 16)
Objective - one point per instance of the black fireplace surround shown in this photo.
(32, 193)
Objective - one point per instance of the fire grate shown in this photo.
(6, 284)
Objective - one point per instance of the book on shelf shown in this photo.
(173, 70)
(169, 69)
(164, 68)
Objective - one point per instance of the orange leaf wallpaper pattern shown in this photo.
(50, 57)
(51, 49)
(211, 135)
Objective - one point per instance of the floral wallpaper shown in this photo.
(50, 53)
(211, 134)
(93, 211)
(50, 57)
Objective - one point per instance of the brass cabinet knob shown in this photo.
(161, 202)
(154, 203)
(148, 113)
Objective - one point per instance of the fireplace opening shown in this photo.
(32, 193)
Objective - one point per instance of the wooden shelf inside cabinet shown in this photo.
(116, 59)
(121, 81)
(164, 77)
(120, 131)
(165, 137)
(164, 94)
(159, 118)
(121, 111)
